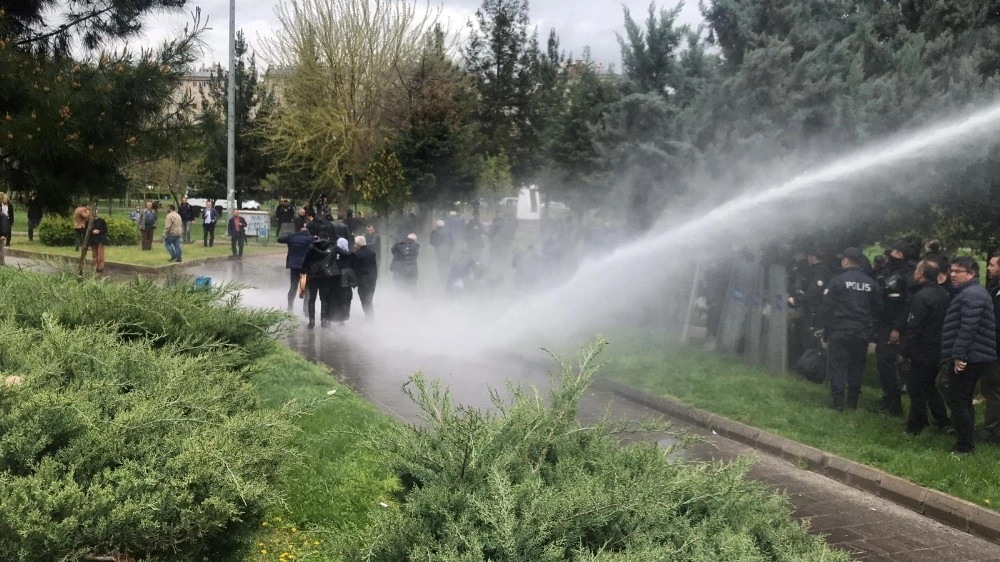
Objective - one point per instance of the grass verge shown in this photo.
(154, 258)
(334, 485)
(792, 407)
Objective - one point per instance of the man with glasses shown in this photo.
(968, 346)
(851, 302)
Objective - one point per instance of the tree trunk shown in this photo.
(344, 194)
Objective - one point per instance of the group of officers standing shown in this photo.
(932, 324)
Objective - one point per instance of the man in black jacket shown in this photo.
(373, 241)
(920, 348)
(338, 229)
(404, 261)
(968, 346)
(35, 212)
(186, 211)
(850, 304)
(366, 268)
(284, 215)
(990, 383)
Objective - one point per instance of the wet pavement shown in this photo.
(377, 359)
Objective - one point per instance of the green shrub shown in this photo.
(529, 483)
(112, 449)
(135, 432)
(57, 230)
(193, 318)
(122, 232)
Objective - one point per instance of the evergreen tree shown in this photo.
(572, 175)
(254, 100)
(518, 85)
(438, 130)
(71, 120)
(802, 79)
(649, 57)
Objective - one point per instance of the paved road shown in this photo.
(376, 359)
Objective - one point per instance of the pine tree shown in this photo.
(71, 121)
(518, 85)
(438, 132)
(254, 100)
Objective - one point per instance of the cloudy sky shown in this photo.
(578, 23)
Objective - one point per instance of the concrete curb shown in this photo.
(951, 511)
(117, 267)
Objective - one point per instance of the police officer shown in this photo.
(851, 302)
(897, 286)
(808, 296)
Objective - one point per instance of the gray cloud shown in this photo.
(577, 23)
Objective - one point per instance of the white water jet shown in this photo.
(635, 271)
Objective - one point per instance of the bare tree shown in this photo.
(339, 68)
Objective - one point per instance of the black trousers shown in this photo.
(323, 288)
(961, 389)
(293, 285)
(366, 293)
(846, 368)
(924, 395)
(887, 357)
(209, 236)
(238, 241)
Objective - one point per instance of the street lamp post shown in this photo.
(231, 111)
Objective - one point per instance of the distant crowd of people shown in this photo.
(932, 323)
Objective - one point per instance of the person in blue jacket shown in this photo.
(968, 346)
(298, 242)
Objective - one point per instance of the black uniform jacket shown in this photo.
(851, 302)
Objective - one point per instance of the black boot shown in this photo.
(852, 401)
(890, 406)
(837, 403)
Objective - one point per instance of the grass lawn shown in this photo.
(157, 256)
(790, 406)
(334, 484)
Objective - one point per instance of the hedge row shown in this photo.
(57, 230)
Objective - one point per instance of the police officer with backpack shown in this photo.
(851, 302)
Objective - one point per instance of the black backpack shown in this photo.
(326, 266)
(812, 365)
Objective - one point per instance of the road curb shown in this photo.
(954, 512)
(118, 267)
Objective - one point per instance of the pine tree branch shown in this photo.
(64, 27)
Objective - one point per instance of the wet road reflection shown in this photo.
(412, 333)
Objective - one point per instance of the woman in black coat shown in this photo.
(344, 291)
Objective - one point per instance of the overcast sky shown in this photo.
(578, 23)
